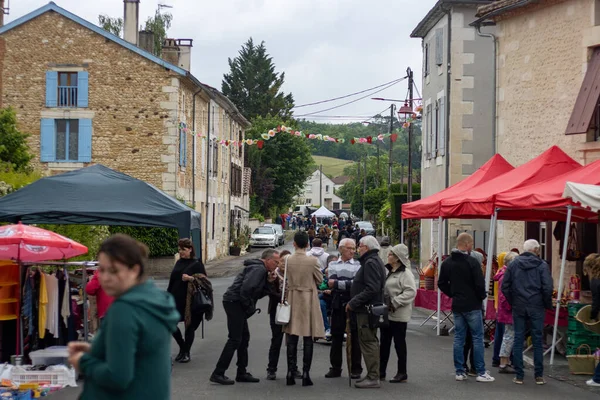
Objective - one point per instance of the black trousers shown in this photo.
(397, 332)
(185, 343)
(276, 341)
(238, 339)
(338, 328)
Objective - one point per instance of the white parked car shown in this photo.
(279, 231)
(264, 236)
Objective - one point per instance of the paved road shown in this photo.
(430, 372)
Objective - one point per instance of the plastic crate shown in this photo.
(21, 375)
(575, 326)
(574, 308)
(577, 340)
(51, 356)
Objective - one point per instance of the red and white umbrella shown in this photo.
(30, 244)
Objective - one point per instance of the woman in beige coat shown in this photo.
(303, 277)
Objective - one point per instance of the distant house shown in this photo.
(314, 188)
(340, 181)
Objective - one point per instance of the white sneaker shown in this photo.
(592, 383)
(328, 334)
(461, 377)
(485, 378)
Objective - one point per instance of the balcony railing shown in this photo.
(67, 96)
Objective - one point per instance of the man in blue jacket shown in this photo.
(528, 288)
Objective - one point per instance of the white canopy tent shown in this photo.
(323, 212)
(586, 195)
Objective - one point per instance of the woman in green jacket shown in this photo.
(130, 357)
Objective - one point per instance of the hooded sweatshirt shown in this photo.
(461, 279)
(249, 286)
(319, 252)
(527, 283)
(130, 356)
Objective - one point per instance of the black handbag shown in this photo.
(200, 301)
(378, 315)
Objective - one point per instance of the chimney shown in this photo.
(170, 51)
(146, 39)
(185, 53)
(131, 20)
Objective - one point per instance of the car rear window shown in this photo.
(263, 231)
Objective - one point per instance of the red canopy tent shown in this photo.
(429, 207)
(545, 202)
(480, 201)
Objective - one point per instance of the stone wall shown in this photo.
(543, 54)
(126, 96)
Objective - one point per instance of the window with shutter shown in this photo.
(51, 88)
(442, 127)
(85, 140)
(588, 97)
(82, 89)
(429, 131)
(182, 146)
(436, 129)
(426, 60)
(47, 140)
(439, 47)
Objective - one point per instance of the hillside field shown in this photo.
(332, 167)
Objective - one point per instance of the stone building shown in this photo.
(86, 96)
(548, 80)
(458, 102)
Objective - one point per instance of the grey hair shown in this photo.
(370, 242)
(478, 256)
(267, 254)
(509, 257)
(531, 246)
(346, 240)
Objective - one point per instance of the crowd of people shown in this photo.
(328, 295)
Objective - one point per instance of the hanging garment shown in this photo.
(27, 307)
(43, 306)
(53, 303)
(65, 310)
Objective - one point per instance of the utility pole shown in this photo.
(321, 185)
(391, 147)
(378, 177)
(365, 187)
(410, 130)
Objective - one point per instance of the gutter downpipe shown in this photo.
(495, 82)
(448, 109)
(207, 179)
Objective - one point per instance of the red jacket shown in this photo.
(103, 300)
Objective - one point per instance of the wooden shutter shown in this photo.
(442, 127)
(85, 140)
(588, 97)
(82, 89)
(439, 46)
(47, 140)
(51, 88)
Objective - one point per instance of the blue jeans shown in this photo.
(324, 312)
(498, 335)
(596, 376)
(472, 321)
(536, 316)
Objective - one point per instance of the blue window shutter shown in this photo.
(85, 140)
(51, 88)
(47, 140)
(184, 149)
(82, 89)
(181, 147)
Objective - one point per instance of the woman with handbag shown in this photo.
(399, 293)
(183, 273)
(303, 277)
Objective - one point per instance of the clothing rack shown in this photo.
(83, 264)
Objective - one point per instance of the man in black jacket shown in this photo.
(239, 302)
(367, 289)
(528, 287)
(461, 279)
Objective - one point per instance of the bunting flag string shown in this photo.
(311, 136)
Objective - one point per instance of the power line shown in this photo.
(352, 101)
(348, 95)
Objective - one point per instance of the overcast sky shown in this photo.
(327, 48)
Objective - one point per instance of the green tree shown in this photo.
(253, 85)
(159, 24)
(375, 199)
(14, 151)
(112, 25)
(279, 170)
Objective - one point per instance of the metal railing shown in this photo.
(67, 96)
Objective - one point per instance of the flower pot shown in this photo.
(235, 250)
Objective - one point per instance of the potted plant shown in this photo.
(239, 242)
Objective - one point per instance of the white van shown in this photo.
(301, 211)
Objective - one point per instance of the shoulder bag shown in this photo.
(200, 300)
(284, 311)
